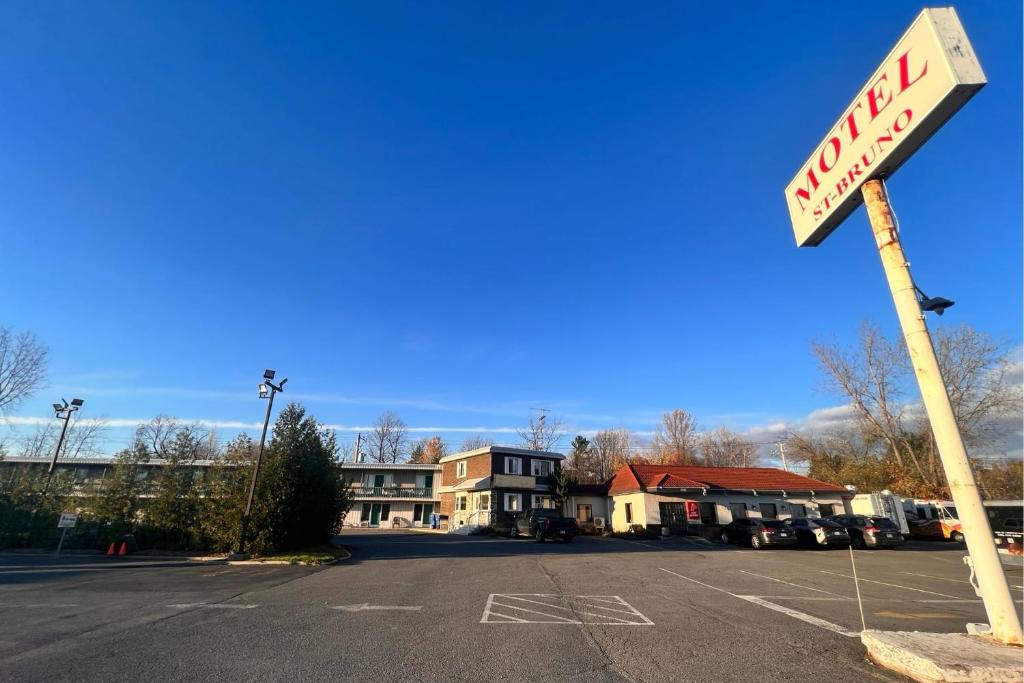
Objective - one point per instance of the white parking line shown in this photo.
(806, 618)
(814, 621)
(892, 585)
(212, 605)
(795, 585)
(942, 578)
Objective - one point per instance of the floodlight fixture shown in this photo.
(930, 304)
(77, 402)
(58, 408)
(264, 391)
(269, 374)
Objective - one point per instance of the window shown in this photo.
(738, 510)
(513, 466)
(584, 513)
(708, 513)
(428, 482)
(797, 510)
(629, 513)
(483, 501)
(460, 469)
(544, 502)
(364, 515)
(460, 503)
(768, 511)
(385, 511)
(826, 509)
(541, 468)
(513, 502)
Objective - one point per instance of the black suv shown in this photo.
(759, 533)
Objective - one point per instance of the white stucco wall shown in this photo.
(646, 509)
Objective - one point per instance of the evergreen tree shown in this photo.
(300, 496)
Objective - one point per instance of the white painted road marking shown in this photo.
(366, 607)
(795, 585)
(814, 621)
(212, 605)
(940, 578)
(892, 585)
(807, 618)
(549, 608)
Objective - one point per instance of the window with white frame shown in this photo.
(513, 465)
(540, 468)
(460, 503)
(513, 502)
(545, 502)
(484, 501)
(460, 469)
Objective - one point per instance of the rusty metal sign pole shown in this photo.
(993, 586)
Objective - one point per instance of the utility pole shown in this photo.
(359, 444)
(983, 557)
(782, 454)
(267, 390)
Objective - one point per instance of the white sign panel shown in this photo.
(926, 78)
(67, 520)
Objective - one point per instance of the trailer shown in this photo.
(1007, 520)
(936, 519)
(881, 504)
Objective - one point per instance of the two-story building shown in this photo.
(390, 494)
(487, 486)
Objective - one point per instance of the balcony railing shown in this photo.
(392, 492)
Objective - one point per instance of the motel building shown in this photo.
(391, 495)
(487, 486)
(676, 499)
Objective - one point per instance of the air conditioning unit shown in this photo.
(598, 522)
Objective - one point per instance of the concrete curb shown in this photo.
(944, 657)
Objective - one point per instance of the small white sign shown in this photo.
(67, 520)
(926, 78)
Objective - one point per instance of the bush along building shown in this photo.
(485, 487)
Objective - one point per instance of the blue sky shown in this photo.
(464, 211)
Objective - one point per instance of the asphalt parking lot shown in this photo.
(422, 606)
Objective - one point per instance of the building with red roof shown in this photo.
(689, 499)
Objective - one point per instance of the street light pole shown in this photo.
(267, 390)
(63, 412)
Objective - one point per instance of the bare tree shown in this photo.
(22, 367)
(725, 448)
(610, 449)
(386, 442)
(471, 443)
(83, 438)
(675, 439)
(541, 433)
(166, 438)
(876, 376)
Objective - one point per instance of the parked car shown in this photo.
(758, 533)
(819, 533)
(870, 532)
(542, 523)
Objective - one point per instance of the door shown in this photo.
(375, 514)
(673, 516)
(378, 484)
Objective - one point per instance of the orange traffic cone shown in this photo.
(110, 550)
(124, 548)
